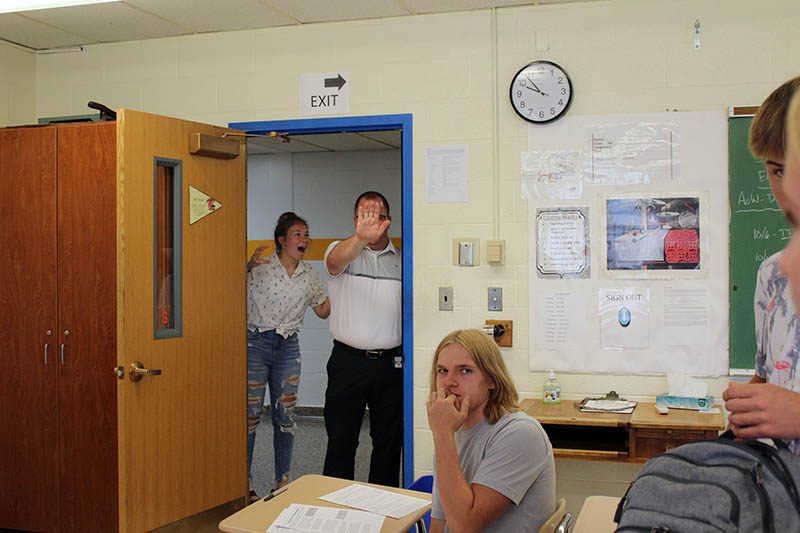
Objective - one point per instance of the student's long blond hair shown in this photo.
(503, 398)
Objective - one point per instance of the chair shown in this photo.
(559, 521)
(423, 484)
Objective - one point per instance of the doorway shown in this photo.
(372, 128)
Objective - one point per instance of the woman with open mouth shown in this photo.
(279, 289)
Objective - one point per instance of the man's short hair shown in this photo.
(768, 130)
(371, 195)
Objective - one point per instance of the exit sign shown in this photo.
(325, 94)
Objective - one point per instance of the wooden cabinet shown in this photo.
(653, 433)
(633, 438)
(58, 407)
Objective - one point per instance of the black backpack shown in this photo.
(715, 485)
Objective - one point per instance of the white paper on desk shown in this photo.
(374, 500)
(609, 406)
(312, 518)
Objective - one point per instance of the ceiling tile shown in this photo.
(342, 142)
(391, 138)
(444, 6)
(215, 15)
(327, 10)
(110, 22)
(21, 30)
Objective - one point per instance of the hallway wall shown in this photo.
(17, 86)
(320, 187)
(622, 55)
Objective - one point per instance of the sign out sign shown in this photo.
(325, 94)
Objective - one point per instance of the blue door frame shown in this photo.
(374, 123)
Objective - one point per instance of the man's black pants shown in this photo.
(357, 379)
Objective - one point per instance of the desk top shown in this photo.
(644, 415)
(566, 413)
(257, 517)
(597, 515)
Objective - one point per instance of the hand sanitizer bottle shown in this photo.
(552, 389)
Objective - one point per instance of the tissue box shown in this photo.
(684, 402)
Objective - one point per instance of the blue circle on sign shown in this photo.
(624, 317)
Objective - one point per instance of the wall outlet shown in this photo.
(445, 298)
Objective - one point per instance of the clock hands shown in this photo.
(534, 88)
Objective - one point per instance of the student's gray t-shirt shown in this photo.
(513, 457)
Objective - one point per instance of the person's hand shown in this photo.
(762, 410)
(256, 258)
(445, 413)
(369, 226)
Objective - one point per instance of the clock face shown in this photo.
(541, 92)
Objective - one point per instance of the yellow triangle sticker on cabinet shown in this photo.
(200, 205)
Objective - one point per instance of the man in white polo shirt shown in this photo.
(366, 364)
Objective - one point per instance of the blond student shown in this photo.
(494, 468)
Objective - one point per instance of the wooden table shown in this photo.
(636, 437)
(257, 517)
(597, 515)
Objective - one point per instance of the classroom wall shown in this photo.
(17, 86)
(321, 187)
(623, 56)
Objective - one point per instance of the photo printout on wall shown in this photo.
(653, 234)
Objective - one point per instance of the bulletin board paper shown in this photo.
(562, 243)
(702, 145)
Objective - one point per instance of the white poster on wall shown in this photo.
(552, 174)
(632, 153)
(447, 168)
(677, 240)
(562, 243)
(686, 319)
(624, 318)
(563, 318)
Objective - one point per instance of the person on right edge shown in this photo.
(366, 364)
(493, 464)
(757, 407)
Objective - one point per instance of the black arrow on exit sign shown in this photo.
(337, 82)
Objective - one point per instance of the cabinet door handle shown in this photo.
(62, 355)
(46, 346)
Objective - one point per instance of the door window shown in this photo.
(167, 249)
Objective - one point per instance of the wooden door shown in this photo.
(182, 434)
(87, 299)
(28, 382)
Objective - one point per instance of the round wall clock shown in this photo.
(541, 92)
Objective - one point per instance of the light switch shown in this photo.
(445, 298)
(465, 254)
(466, 251)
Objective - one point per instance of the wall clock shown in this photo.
(541, 92)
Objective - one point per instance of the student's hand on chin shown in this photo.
(444, 413)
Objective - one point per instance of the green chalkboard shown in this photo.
(757, 230)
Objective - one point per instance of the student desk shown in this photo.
(632, 438)
(597, 515)
(256, 517)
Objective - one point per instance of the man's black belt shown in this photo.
(370, 354)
